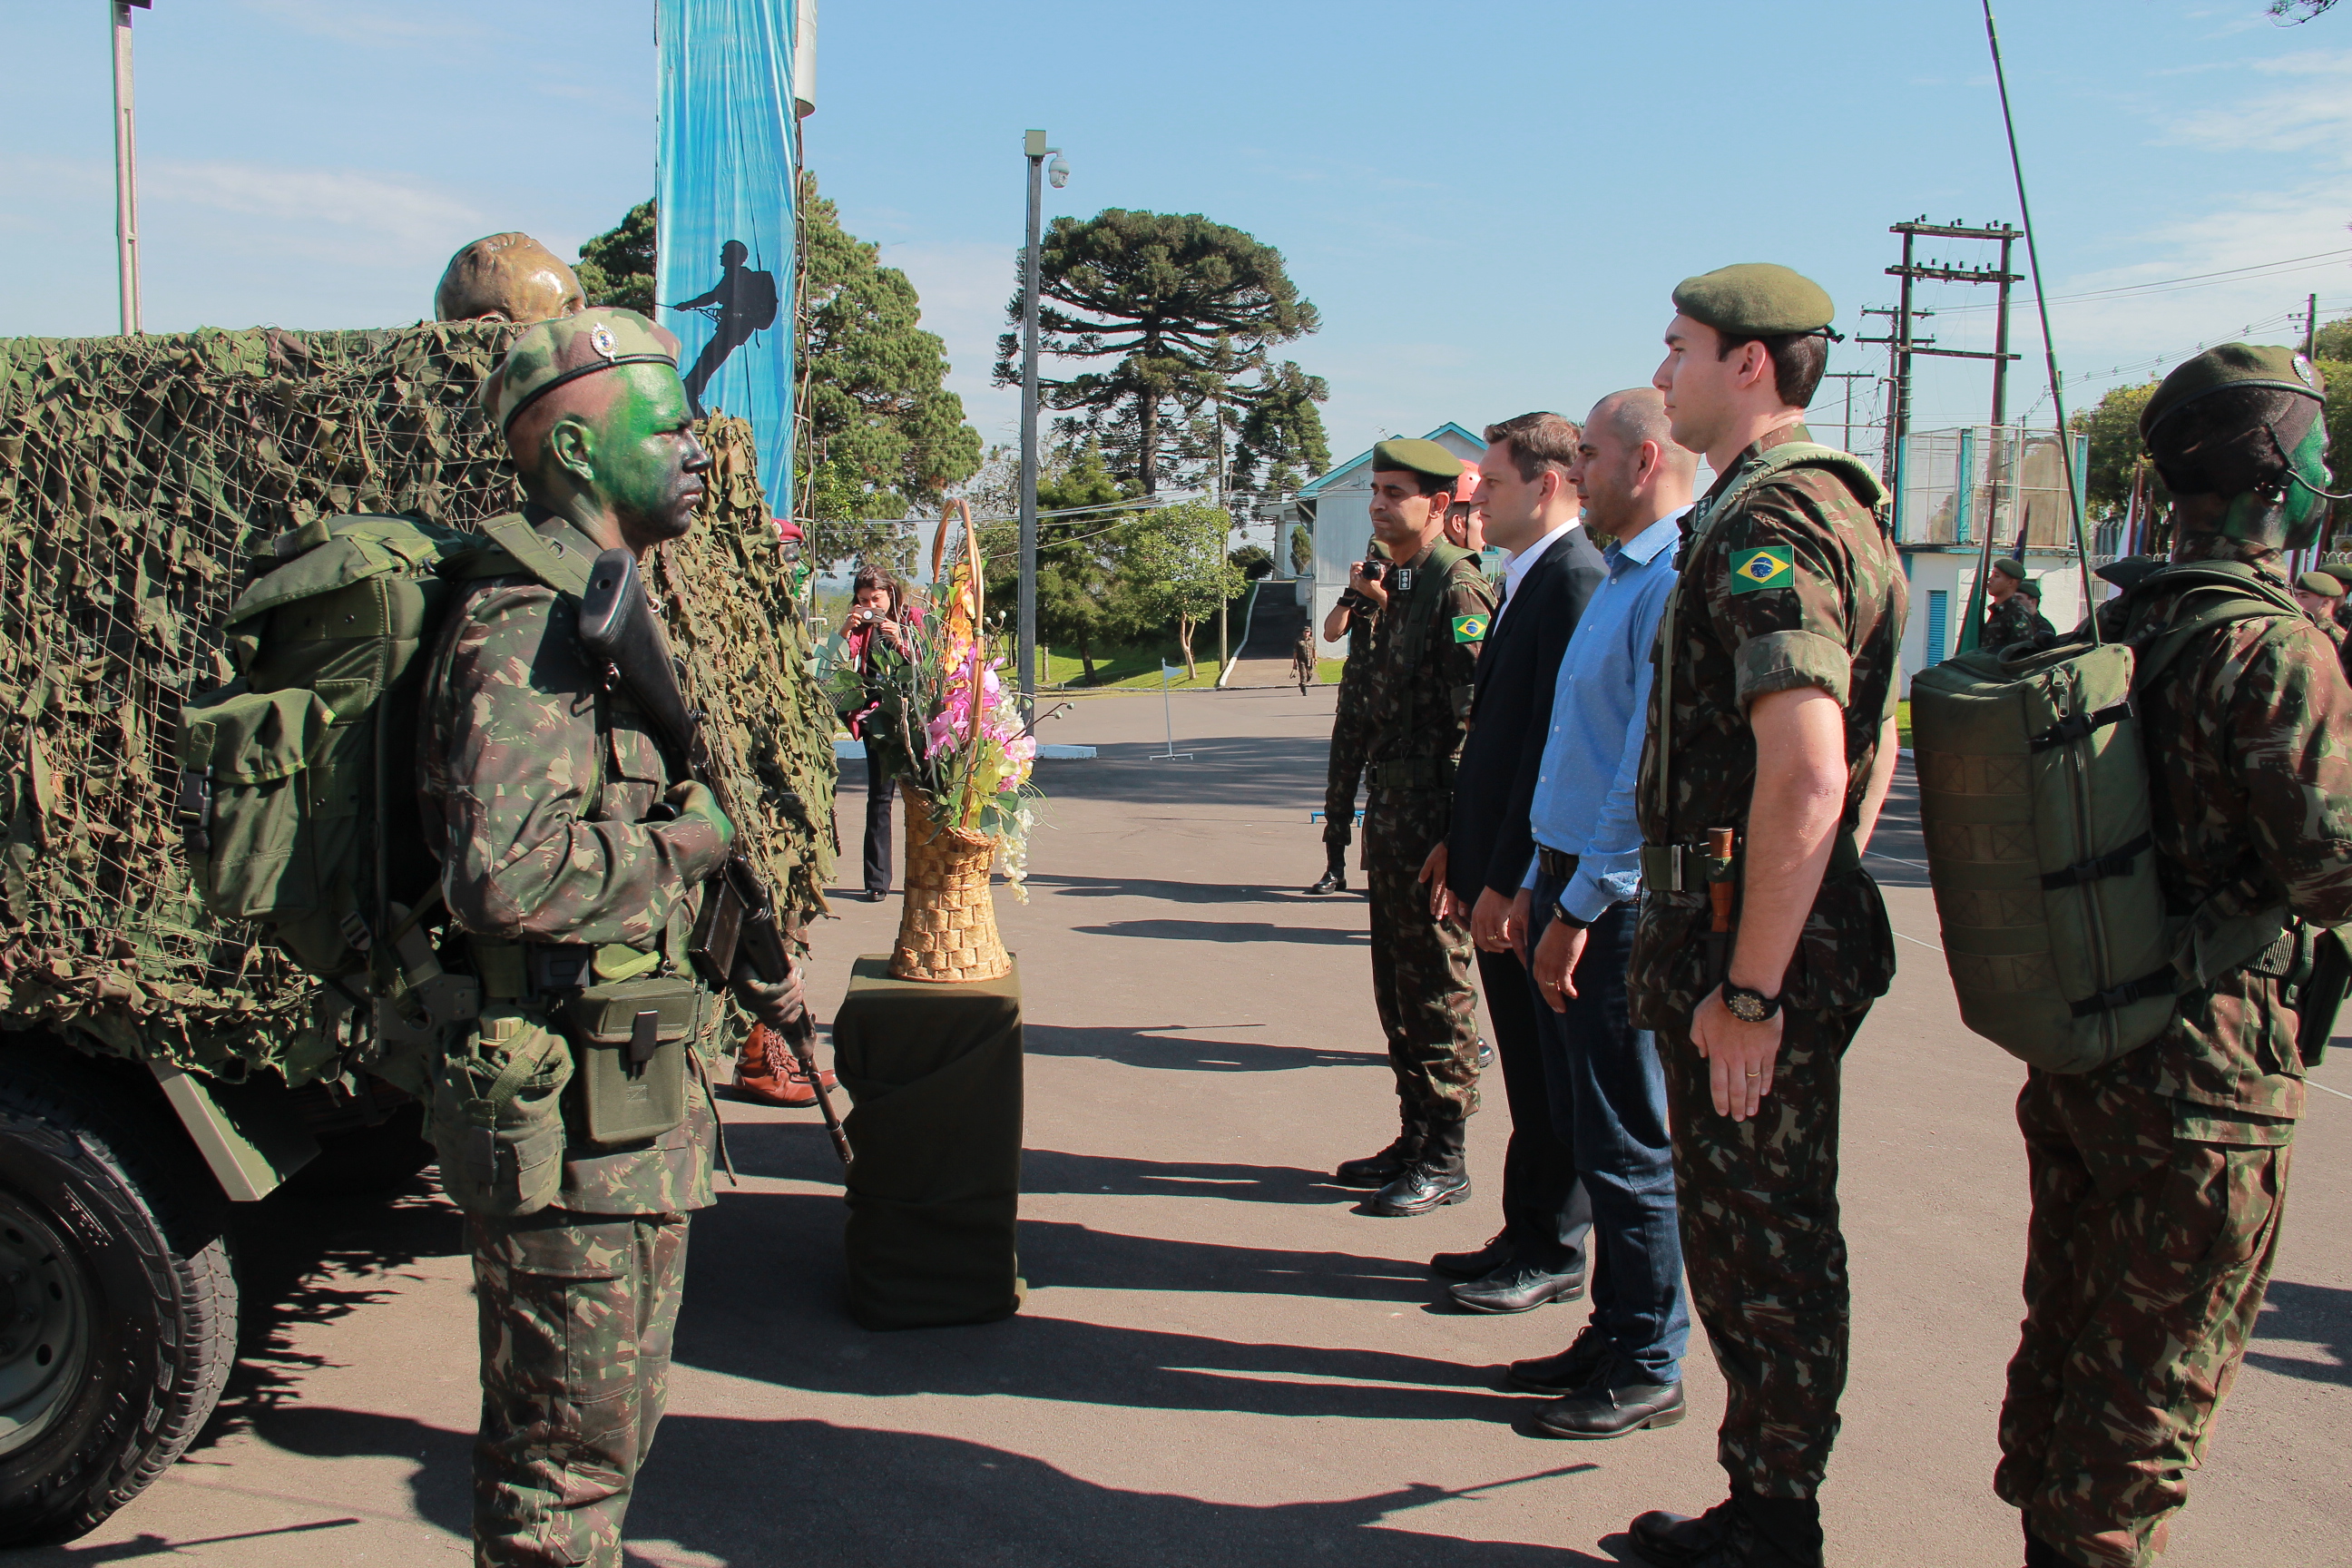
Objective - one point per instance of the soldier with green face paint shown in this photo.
(2159, 1179)
(574, 854)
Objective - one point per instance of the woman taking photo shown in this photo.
(876, 635)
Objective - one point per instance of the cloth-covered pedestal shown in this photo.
(933, 1073)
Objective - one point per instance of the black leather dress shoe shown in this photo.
(1335, 880)
(1517, 1287)
(1426, 1185)
(1607, 1409)
(1568, 1371)
(1476, 1265)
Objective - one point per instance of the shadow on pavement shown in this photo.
(1248, 932)
(1172, 1047)
(1280, 774)
(1170, 893)
(890, 1499)
(2318, 1315)
(1051, 1171)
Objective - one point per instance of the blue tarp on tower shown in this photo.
(724, 281)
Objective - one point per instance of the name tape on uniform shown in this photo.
(1774, 566)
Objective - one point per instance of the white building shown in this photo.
(1339, 508)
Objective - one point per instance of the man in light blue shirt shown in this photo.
(1608, 1095)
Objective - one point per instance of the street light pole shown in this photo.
(126, 164)
(1034, 147)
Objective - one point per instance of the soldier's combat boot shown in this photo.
(1378, 1170)
(1741, 1531)
(1438, 1176)
(1335, 872)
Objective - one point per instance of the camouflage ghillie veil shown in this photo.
(142, 482)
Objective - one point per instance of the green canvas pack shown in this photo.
(298, 779)
(2033, 796)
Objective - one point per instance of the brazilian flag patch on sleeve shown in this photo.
(1470, 628)
(1756, 570)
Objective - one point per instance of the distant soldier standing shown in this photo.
(1351, 619)
(1771, 725)
(2158, 1180)
(1302, 659)
(574, 854)
(2013, 615)
(1425, 649)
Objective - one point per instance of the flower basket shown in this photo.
(947, 930)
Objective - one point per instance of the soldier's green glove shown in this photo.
(695, 802)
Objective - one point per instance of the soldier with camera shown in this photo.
(1351, 619)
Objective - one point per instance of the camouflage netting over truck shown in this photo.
(142, 482)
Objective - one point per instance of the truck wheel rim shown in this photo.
(44, 1297)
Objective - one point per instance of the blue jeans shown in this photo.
(1608, 1104)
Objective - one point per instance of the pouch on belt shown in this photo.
(632, 1037)
(498, 1115)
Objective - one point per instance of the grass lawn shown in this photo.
(1133, 668)
(1903, 722)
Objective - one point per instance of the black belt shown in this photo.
(1411, 773)
(1557, 864)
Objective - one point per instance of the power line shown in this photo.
(2194, 280)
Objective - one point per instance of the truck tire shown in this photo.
(118, 1295)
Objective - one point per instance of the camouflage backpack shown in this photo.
(297, 778)
(2033, 794)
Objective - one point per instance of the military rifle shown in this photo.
(738, 924)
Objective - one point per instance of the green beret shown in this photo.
(2232, 364)
(2339, 570)
(2323, 583)
(566, 349)
(2128, 573)
(1755, 299)
(2031, 589)
(2011, 565)
(1416, 457)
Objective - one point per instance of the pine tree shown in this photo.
(617, 267)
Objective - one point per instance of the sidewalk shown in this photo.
(1219, 1363)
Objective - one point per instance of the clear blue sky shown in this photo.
(1490, 207)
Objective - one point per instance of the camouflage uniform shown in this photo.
(1759, 1197)
(2016, 619)
(1350, 734)
(537, 786)
(1415, 717)
(2159, 1179)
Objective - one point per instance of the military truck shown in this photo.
(157, 1065)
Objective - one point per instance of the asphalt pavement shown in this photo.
(1222, 1361)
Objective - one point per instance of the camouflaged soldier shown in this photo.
(1424, 646)
(1352, 617)
(2158, 1180)
(1772, 724)
(573, 856)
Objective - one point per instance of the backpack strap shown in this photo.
(564, 570)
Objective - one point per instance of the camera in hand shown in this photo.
(1375, 569)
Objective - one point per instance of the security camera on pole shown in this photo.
(1034, 147)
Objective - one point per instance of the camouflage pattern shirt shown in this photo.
(2016, 619)
(2248, 739)
(536, 789)
(1417, 702)
(1799, 586)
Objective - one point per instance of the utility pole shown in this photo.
(1032, 147)
(1850, 377)
(2310, 325)
(1906, 347)
(126, 165)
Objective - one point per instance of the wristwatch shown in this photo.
(1748, 1005)
(1560, 915)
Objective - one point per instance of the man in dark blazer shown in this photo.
(1530, 509)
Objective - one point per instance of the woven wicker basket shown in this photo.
(948, 929)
